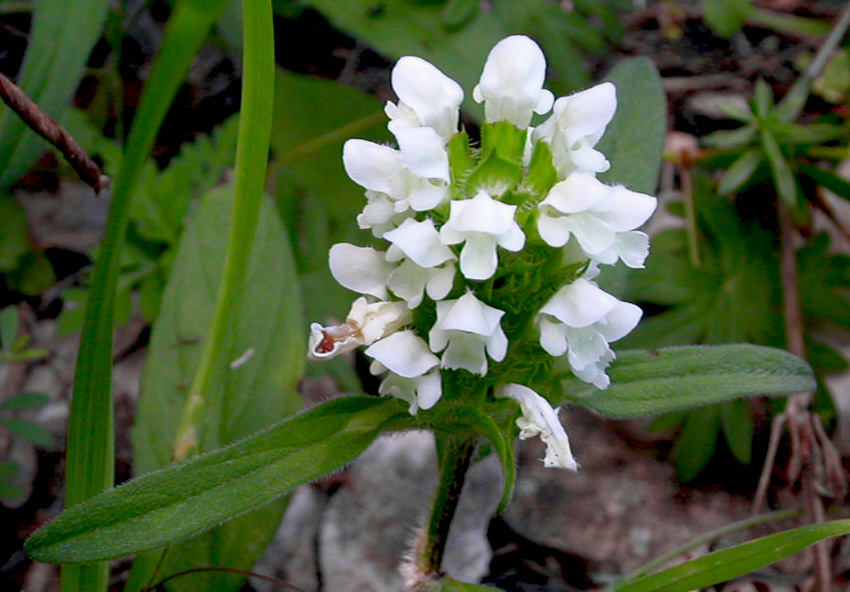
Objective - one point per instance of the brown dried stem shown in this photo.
(46, 127)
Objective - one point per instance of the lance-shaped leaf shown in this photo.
(724, 565)
(651, 382)
(173, 504)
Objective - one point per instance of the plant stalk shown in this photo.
(455, 458)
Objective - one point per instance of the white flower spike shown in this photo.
(483, 224)
(465, 328)
(580, 320)
(539, 419)
(511, 85)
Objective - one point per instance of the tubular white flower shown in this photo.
(427, 264)
(466, 328)
(366, 323)
(581, 320)
(483, 224)
(360, 269)
(411, 282)
(602, 219)
(414, 375)
(576, 125)
(540, 419)
(384, 170)
(427, 97)
(511, 84)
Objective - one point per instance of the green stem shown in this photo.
(455, 457)
(251, 157)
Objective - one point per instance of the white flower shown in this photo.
(427, 97)
(360, 269)
(365, 324)
(386, 171)
(539, 419)
(483, 223)
(414, 375)
(465, 328)
(427, 264)
(511, 84)
(581, 320)
(602, 219)
(576, 125)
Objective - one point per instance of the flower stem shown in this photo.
(455, 454)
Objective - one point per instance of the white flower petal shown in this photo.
(465, 328)
(433, 96)
(620, 321)
(421, 392)
(361, 269)
(594, 236)
(511, 85)
(440, 281)
(325, 343)
(626, 209)
(554, 230)
(469, 314)
(580, 304)
(539, 418)
(424, 153)
(377, 319)
(586, 114)
(633, 248)
(478, 259)
(371, 165)
(586, 347)
(404, 353)
(420, 242)
(579, 192)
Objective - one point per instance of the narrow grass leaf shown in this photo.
(727, 564)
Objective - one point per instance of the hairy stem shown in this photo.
(455, 458)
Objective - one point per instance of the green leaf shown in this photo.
(27, 430)
(267, 332)
(726, 17)
(697, 442)
(783, 178)
(738, 427)
(89, 461)
(8, 329)
(651, 382)
(447, 584)
(319, 203)
(735, 138)
(24, 401)
(740, 172)
(634, 141)
(14, 237)
(740, 560)
(183, 500)
(410, 27)
(63, 35)
(835, 183)
(457, 13)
